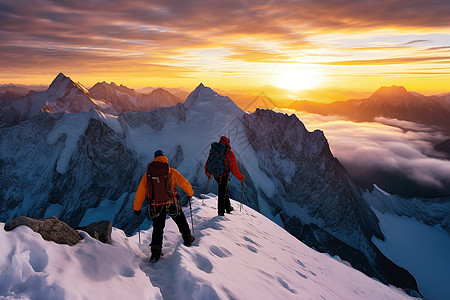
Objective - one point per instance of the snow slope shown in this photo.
(421, 249)
(238, 256)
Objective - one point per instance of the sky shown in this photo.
(235, 44)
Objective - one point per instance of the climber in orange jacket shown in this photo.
(158, 208)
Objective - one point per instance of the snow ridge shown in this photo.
(239, 256)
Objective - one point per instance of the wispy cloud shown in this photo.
(389, 61)
(41, 35)
(415, 42)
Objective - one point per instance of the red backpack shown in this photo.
(159, 182)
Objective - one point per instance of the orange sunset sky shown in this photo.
(297, 45)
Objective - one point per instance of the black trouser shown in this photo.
(223, 199)
(159, 221)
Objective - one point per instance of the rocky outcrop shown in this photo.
(51, 229)
(100, 230)
(443, 147)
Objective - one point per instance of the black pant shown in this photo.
(159, 222)
(223, 199)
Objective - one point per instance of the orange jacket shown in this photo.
(177, 180)
(230, 160)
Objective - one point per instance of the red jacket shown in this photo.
(230, 160)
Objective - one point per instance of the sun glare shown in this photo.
(296, 79)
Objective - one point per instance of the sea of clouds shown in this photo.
(388, 146)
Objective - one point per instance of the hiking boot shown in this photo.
(156, 253)
(155, 257)
(221, 214)
(188, 239)
(230, 210)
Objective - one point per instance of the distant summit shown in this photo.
(386, 97)
(393, 102)
(394, 92)
(125, 99)
(64, 95)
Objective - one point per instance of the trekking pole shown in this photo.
(242, 195)
(190, 209)
(139, 228)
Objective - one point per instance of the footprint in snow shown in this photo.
(300, 263)
(301, 274)
(219, 251)
(249, 247)
(251, 241)
(253, 249)
(204, 263)
(286, 285)
(126, 271)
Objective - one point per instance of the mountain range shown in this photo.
(77, 157)
(393, 102)
(65, 95)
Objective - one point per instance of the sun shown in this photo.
(298, 78)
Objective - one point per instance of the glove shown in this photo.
(242, 178)
(137, 212)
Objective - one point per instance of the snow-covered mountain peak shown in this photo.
(206, 100)
(111, 88)
(239, 256)
(60, 77)
(200, 90)
(59, 84)
(125, 99)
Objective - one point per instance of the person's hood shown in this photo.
(224, 140)
(161, 158)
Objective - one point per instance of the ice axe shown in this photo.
(242, 196)
(190, 209)
(139, 227)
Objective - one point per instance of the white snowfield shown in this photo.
(239, 256)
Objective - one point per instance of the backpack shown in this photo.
(159, 182)
(216, 159)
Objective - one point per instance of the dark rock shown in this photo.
(99, 230)
(443, 147)
(51, 229)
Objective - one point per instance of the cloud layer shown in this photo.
(372, 150)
